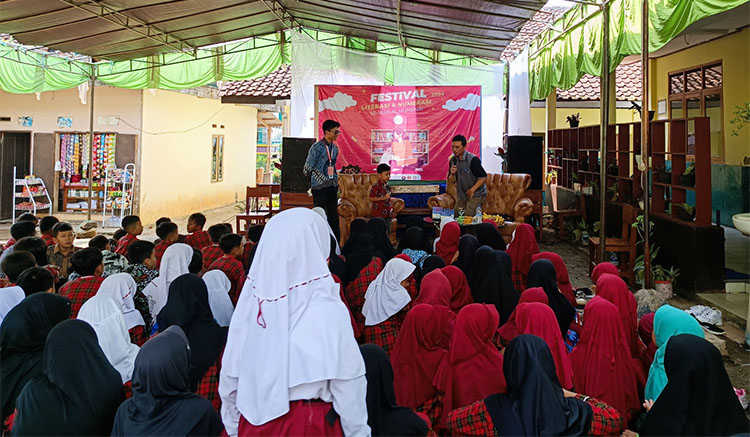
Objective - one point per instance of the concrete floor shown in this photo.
(736, 250)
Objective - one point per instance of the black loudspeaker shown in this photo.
(293, 156)
(525, 155)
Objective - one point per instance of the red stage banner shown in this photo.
(408, 127)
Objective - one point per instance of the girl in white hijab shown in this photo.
(121, 288)
(9, 298)
(218, 296)
(174, 263)
(103, 313)
(291, 340)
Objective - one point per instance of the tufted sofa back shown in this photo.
(356, 189)
(503, 190)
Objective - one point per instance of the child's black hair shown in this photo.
(47, 223)
(35, 280)
(229, 242)
(99, 242)
(129, 221)
(35, 246)
(61, 227)
(17, 262)
(197, 218)
(382, 168)
(217, 231)
(166, 228)
(139, 251)
(19, 230)
(85, 261)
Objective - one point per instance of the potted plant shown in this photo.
(573, 230)
(612, 168)
(687, 178)
(683, 211)
(551, 177)
(583, 227)
(612, 190)
(574, 119)
(664, 280)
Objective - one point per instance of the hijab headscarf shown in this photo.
(602, 365)
(668, 322)
(645, 330)
(378, 230)
(488, 235)
(542, 274)
(9, 298)
(357, 228)
(361, 250)
(385, 295)
(336, 264)
(174, 263)
(460, 291)
(290, 326)
(103, 313)
(436, 290)
(415, 239)
(615, 290)
(495, 286)
(477, 268)
(472, 370)
(510, 329)
(418, 354)
(121, 288)
(535, 404)
(699, 398)
(538, 319)
(522, 248)
(78, 391)
(561, 270)
(602, 268)
(22, 336)
(189, 309)
(467, 246)
(447, 246)
(384, 416)
(162, 403)
(431, 263)
(218, 286)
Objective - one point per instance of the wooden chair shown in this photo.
(255, 212)
(559, 215)
(625, 244)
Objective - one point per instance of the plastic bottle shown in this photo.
(478, 215)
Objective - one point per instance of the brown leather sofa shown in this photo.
(506, 194)
(355, 202)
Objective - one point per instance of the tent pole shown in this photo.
(604, 97)
(89, 172)
(645, 145)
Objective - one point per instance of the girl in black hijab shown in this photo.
(356, 229)
(336, 265)
(542, 274)
(361, 247)
(699, 398)
(383, 415)
(78, 391)
(23, 334)
(430, 263)
(187, 307)
(467, 246)
(377, 228)
(488, 235)
(477, 268)
(162, 403)
(415, 239)
(493, 283)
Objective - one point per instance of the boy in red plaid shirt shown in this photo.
(198, 238)
(132, 225)
(45, 228)
(168, 233)
(254, 233)
(380, 196)
(213, 252)
(87, 263)
(231, 245)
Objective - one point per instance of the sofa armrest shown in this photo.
(444, 200)
(346, 210)
(522, 208)
(398, 205)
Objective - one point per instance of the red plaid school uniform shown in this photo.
(519, 280)
(433, 408)
(234, 271)
(384, 334)
(4, 282)
(245, 254)
(138, 335)
(211, 254)
(11, 241)
(127, 388)
(474, 419)
(48, 239)
(355, 291)
(124, 243)
(79, 291)
(159, 251)
(198, 239)
(208, 387)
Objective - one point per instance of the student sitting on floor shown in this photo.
(17, 231)
(168, 234)
(198, 238)
(114, 263)
(133, 228)
(36, 280)
(159, 221)
(87, 263)
(143, 270)
(213, 252)
(15, 263)
(26, 217)
(45, 228)
(61, 253)
(231, 245)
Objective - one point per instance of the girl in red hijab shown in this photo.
(460, 291)
(538, 319)
(645, 332)
(447, 246)
(510, 329)
(603, 268)
(436, 291)
(602, 365)
(474, 367)
(416, 358)
(521, 249)
(615, 290)
(561, 270)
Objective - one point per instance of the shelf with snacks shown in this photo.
(32, 197)
(75, 169)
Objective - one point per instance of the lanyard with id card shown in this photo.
(331, 169)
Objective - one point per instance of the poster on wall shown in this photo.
(64, 122)
(25, 121)
(408, 127)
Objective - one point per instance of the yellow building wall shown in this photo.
(176, 165)
(589, 116)
(733, 51)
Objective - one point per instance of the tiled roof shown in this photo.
(540, 22)
(275, 84)
(628, 82)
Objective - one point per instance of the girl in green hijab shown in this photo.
(668, 322)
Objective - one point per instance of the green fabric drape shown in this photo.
(575, 47)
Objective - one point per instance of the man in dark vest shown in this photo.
(469, 176)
